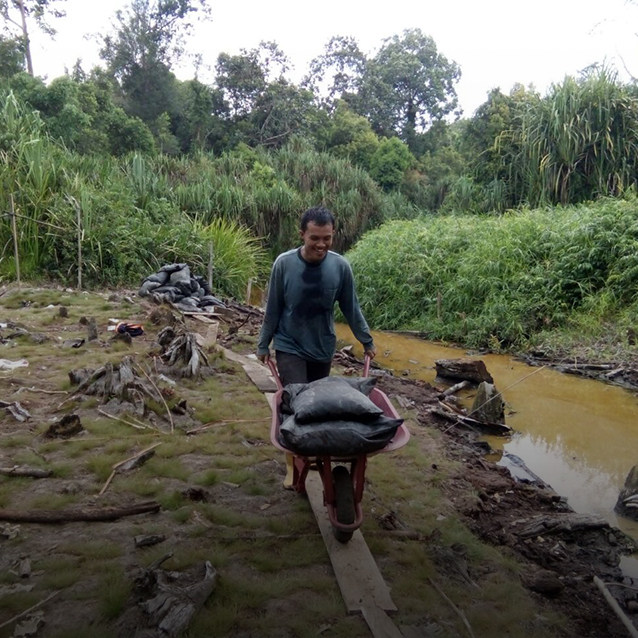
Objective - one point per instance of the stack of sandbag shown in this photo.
(334, 416)
(175, 283)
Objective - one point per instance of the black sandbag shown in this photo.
(337, 438)
(330, 399)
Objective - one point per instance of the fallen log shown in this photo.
(74, 515)
(557, 523)
(448, 413)
(457, 387)
(463, 369)
(32, 472)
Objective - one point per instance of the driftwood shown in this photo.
(616, 607)
(457, 387)
(15, 409)
(74, 515)
(119, 381)
(130, 463)
(149, 539)
(174, 603)
(451, 414)
(557, 523)
(183, 352)
(463, 369)
(68, 425)
(33, 472)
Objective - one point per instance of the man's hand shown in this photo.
(371, 352)
(264, 358)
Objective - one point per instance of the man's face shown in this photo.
(317, 241)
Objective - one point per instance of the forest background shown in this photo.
(517, 226)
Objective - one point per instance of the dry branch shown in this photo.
(28, 611)
(32, 472)
(74, 515)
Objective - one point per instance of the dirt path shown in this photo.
(437, 515)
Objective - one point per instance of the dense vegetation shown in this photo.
(157, 168)
(498, 281)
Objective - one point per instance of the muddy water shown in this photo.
(578, 435)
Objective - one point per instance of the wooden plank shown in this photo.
(379, 622)
(357, 574)
(257, 373)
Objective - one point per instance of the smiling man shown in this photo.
(304, 285)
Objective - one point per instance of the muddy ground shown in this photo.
(439, 510)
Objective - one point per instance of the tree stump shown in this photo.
(488, 406)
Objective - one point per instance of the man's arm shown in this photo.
(274, 308)
(349, 305)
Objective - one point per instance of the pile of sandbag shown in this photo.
(175, 283)
(334, 416)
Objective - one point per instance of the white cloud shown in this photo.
(496, 42)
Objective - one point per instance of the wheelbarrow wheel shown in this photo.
(344, 501)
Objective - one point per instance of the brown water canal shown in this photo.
(579, 436)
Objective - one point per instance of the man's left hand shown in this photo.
(371, 352)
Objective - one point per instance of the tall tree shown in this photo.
(18, 13)
(408, 85)
(147, 38)
(339, 69)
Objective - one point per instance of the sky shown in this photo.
(496, 43)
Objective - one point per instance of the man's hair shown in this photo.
(319, 215)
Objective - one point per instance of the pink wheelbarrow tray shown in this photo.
(342, 488)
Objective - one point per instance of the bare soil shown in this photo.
(437, 511)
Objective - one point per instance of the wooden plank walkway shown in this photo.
(363, 589)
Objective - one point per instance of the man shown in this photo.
(304, 284)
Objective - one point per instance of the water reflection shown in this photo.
(578, 435)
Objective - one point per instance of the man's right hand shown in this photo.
(264, 358)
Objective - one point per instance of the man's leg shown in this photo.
(318, 370)
(292, 369)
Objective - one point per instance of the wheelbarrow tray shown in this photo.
(333, 494)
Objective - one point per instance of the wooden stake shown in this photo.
(210, 265)
(14, 230)
(249, 290)
(79, 216)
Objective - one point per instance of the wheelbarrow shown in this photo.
(343, 478)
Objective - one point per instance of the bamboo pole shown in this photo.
(249, 290)
(14, 230)
(210, 265)
(79, 216)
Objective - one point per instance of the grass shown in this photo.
(266, 585)
(504, 282)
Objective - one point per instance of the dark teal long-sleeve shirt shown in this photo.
(300, 309)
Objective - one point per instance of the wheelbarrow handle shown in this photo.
(275, 373)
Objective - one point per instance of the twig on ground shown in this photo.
(28, 611)
(34, 389)
(629, 626)
(117, 465)
(460, 614)
(117, 418)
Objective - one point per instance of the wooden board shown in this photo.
(379, 622)
(357, 574)
(257, 373)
